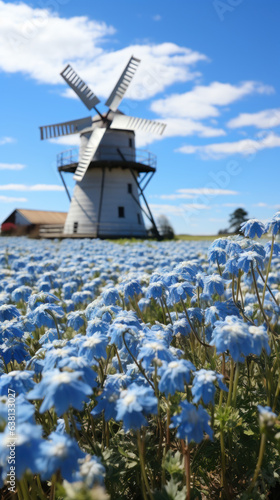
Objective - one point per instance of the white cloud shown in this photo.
(39, 43)
(35, 187)
(243, 147)
(157, 17)
(268, 118)
(179, 127)
(192, 193)
(8, 199)
(67, 140)
(6, 140)
(203, 101)
(11, 166)
(260, 204)
(159, 209)
(207, 191)
(178, 210)
(241, 205)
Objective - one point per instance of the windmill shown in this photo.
(110, 173)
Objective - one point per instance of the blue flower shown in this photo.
(28, 438)
(174, 375)
(232, 335)
(252, 228)
(49, 336)
(154, 350)
(267, 417)
(246, 258)
(94, 347)
(131, 289)
(203, 385)
(69, 288)
(274, 224)
(276, 249)
(14, 350)
(59, 453)
(133, 403)
(41, 317)
(219, 311)
(41, 298)
(192, 422)
(217, 255)
(107, 402)
(179, 291)
(97, 325)
(181, 327)
(61, 390)
(260, 339)
(155, 290)
(8, 311)
(75, 320)
(110, 296)
(91, 471)
(214, 284)
(18, 381)
(10, 330)
(21, 293)
(79, 363)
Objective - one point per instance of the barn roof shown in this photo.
(43, 216)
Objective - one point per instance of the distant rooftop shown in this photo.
(37, 217)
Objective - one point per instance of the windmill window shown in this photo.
(121, 212)
(75, 227)
(129, 188)
(139, 218)
(130, 142)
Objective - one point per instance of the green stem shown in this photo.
(167, 308)
(24, 489)
(52, 492)
(51, 314)
(67, 425)
(119, 359)
(268, 287)
(136, 362)
(192, 327)
(223, 458)
(268, 268)
(142, 466)
(187, 465)
(230, 382)
(163, 311)
(258, 297)
(276, 395)
(235, 385)
(259, 463)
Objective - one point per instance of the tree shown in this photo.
(237, 218)
(165, 228)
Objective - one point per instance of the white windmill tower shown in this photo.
(110, 173)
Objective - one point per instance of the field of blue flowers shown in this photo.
(147, 370)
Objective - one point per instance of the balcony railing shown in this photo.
(109, 153)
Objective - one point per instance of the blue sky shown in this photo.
(209, 70)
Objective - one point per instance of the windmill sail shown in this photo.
(79, 86)
(65, 128)
(124, 122)
(89, 152)
(122, 85)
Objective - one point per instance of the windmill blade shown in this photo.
(89, 152)
(65, 128)
(122, 85)
(124, 122)
(79, 86)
